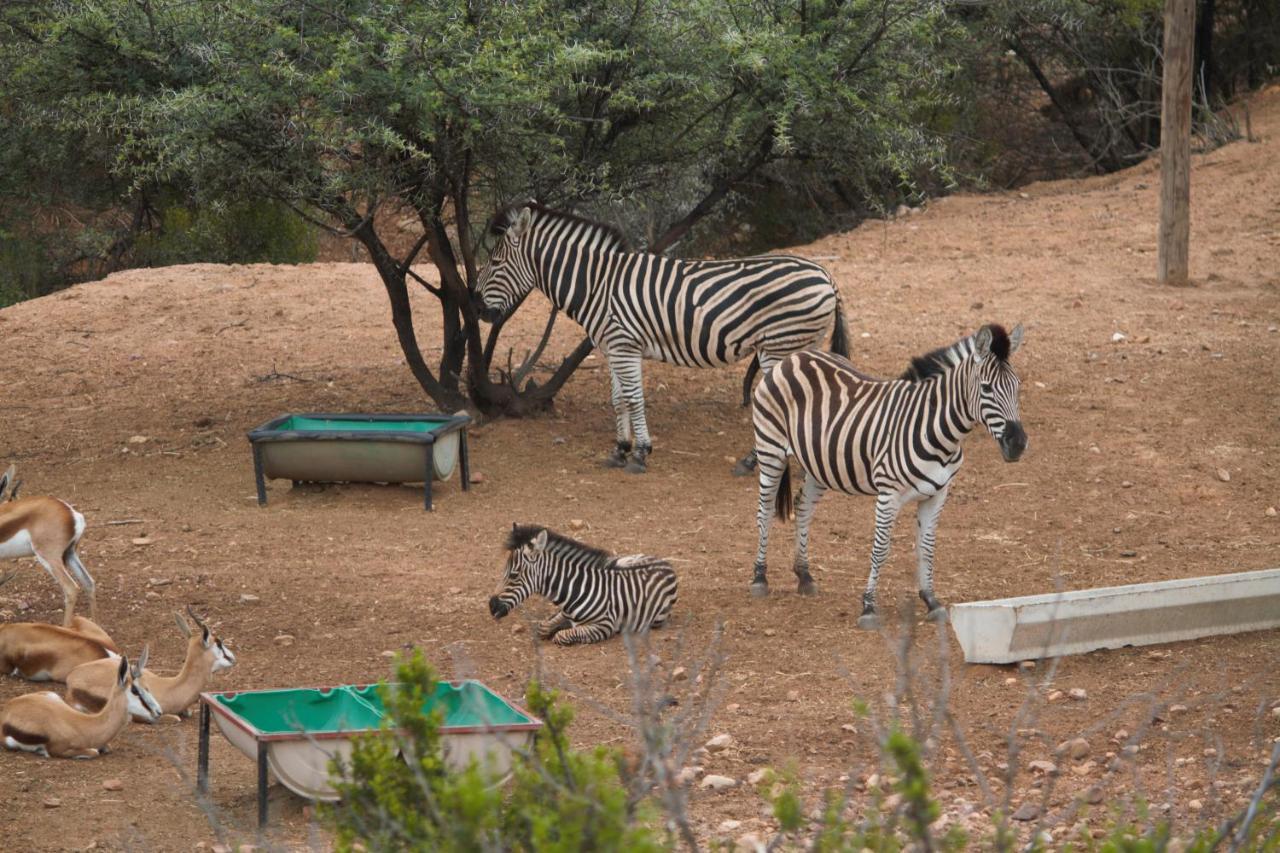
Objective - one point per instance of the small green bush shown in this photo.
(241, 233)
(558, 798)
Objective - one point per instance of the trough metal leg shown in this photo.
(202, 752)
(466, 463)
(257, 475)
(431, 475)
(262, 785)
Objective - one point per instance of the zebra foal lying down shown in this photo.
(597, 595)
(896, 439)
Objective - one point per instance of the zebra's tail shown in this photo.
(840, 334)
(784, 499)
(752, 370)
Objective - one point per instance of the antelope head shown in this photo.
(220, 657)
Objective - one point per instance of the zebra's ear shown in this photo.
(982, 343)
(520, 223)
(1015, 339)
(540, 541)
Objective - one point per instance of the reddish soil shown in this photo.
(1122, 483)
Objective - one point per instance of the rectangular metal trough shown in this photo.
(296, 732)
(1045, 626)
(361, 448)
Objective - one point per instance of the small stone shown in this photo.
(749, 843)
(1093, 796)
(1271, 512)
(1128, 553)
(1076, 748)
(873, 781)
(159, 582)
(477, 477)
(679, 674)
(152, 595)
(249, 598)
(455, 590)
(1084, 768)
(717, 783)
(1224, 475)
(52, 802)
(1078, 693)
(727, 826)
(1121, 735)
(850, 728)
(113, 785)
(1055, 695)
(1177, 709)
(1026, 812)
(1026, 665)
(793, 695)
(1126, 484)
(577, 523)
(518, 628)
(559, 439)
(284, 639)
(1010, 681)
(1046, 767)
(762, 774)
(719, 743)
(1195, 805)
(138, 439)
(142, 540)
(387, 654)
(688, 774)
(769, 632)
(1210, 752)
(1119, 337)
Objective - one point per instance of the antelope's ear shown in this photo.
(982, 343)
(520, 223)
(182, 624)
(122, 674)
(540, 541)
(1015, 339)
(207, 638)
(142, 661)
(5, 479)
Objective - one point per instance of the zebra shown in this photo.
(597, 595)
(636, 305)
(897, 439)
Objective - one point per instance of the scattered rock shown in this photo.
(749, 843)
(387, 654)
(478, 477)
(559, 439)
(1076, 748)
(1224, 475)
(138, 439)
(1011, 681)
(717, 783)
(1047, 767)
(1093, 796)
(1026, 665)
(1026, 811)
(679, 674)
(1055, 695)
(688, 774)
(159, 582)
(577, 523)
(152, 595)
(850, 728)
(727, 826)
(284, 639)
(1078, 693)
(1119, 337)
(1121, 735)
(113, 785)
(1084, 768)
(1195, 805)
(518, 628)
(873, 781)
(249, 598)
(1271, 512)
(762, 774)
(142, 540)
(769, 632)
(719, 743)
(52, 802)
(455, 590)
(1177, 709)
(793, 695)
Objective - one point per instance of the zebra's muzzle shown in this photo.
(497, 608)
(1013, 442)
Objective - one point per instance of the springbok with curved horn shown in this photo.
(89, 684)
(49, 530)
(45, 724)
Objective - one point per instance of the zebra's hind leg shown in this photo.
(589, 632)
(617, 458)
(810, 493)
(927, 513)
(774, 475)
(887, 508)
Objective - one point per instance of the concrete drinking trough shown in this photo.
(361, 448)
(296, 732)
(1045, 626)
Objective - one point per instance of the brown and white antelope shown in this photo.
(89, 684)
(40, 652)
(45, 724)
(47, 529)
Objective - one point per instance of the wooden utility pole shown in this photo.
(1175, 143)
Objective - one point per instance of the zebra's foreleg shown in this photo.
(632, 384)
(887, 507)
(617, 458)
(772, 468)
(810, 493)
(589, 632)
(927, 513)
(548, 628)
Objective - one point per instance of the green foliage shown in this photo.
(398, 794)
(243, 232)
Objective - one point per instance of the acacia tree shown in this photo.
(343, 108)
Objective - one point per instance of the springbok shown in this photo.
(47, 529)
(92, 630)
(40, 652)
(45, 724)
(89, 684)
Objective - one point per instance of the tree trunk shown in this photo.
(1175, 144)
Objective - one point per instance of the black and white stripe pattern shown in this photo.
(638, 305)
(597, 595)
(896, 439)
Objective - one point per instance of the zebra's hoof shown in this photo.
(614, 460)
(634, 467)
(807, 587)
(759, 589)
(869, 622)
(744, 468)
(937, 614)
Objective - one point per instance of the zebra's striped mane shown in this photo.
(614, 237)
(523, 534)
(941, 360)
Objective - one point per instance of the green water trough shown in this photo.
(296, 732)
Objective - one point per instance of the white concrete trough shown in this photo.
(1069, 623)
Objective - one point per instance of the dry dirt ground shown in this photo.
(1123, 482)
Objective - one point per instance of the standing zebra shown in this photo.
(897, 439)
(597, 595)
(636, 305)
